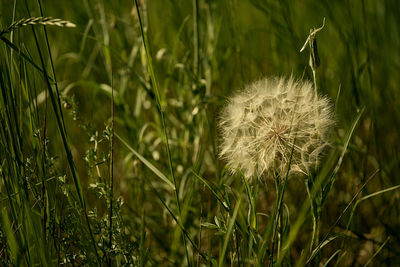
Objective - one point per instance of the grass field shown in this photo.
(110, 134)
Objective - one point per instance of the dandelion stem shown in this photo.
(315, 233)
(315, 81)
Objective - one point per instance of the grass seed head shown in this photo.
(49, 21)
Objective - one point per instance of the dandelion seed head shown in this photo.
(274, 123)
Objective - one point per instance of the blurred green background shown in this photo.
(202, 52)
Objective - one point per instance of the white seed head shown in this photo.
(274, 123)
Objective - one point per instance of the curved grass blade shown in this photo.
(367, 197)
(147, 163)
(223, 203)
(331, 181)
(320, 246)
(332, 257)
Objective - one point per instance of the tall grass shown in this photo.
(109, 138)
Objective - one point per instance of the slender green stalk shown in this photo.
(315, 81)
(376, 252)
(228, 233)
(195, 4)
(179, 223)
(315, 222)
(161, 111)
(280, 191)
(111, 181)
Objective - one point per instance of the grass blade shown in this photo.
(147, 163)
(228, 233)
(377, 252)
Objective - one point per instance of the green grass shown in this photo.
(143, 185)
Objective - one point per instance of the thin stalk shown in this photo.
(44, 142)
(44, 147)
(315, 81)
(313, 66)
(111, 182)
(161, 112)
(280, 191)
(200, 231)
(377, 252)
(178, 222)
(315, 233)
(12, 32)
(195, 37)
(315, 221)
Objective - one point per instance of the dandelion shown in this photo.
(274, 124)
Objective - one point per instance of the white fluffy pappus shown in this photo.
(274, 123)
